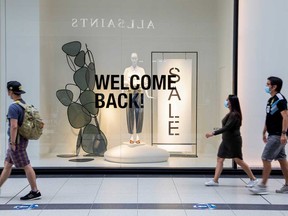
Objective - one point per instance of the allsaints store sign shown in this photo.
(112, 23)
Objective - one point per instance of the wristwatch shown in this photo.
(283, 132)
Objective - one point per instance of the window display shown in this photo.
(77, 59)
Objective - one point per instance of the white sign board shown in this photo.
(174, 113)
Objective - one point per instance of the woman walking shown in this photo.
(231, 145)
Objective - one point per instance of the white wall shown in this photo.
(2, 75)
(20, 56)
(263, 43)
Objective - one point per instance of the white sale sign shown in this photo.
(174, 113)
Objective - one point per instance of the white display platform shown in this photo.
(136, 153)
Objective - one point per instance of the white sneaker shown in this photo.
(211, 183)
(259, 189)
(252, 183)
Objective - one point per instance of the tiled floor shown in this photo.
(141, 196)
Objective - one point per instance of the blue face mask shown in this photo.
(226, 104)
(267, 90)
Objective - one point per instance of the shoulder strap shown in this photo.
(21, 104)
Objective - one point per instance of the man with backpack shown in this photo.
(16, 153)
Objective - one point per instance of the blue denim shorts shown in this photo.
(274, 150)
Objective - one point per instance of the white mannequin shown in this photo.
(134, 69)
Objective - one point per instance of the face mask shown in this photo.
(267, 90)
(226, 104)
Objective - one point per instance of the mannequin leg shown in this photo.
(131, 139)
(137, 139)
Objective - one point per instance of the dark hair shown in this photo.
(235, 106)
(276, 81)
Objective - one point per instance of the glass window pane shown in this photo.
(60, 50)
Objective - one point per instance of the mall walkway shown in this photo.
(141, 196)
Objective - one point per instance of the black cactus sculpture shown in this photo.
(81, 112)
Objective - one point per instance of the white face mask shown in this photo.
(226, 104)
(267, 90)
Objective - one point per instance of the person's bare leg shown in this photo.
(266, 171)
(31, 177)
(284, 168)
(245, 167)
(218, 169)
(5, 173)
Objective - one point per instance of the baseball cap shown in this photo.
(15, 86)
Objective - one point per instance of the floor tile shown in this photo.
(206, 212)
(117, 190)
(119, 185)
(239, 194)
(112, 197)
(161, 212)
(201, 198)
(65, 213)
(11, 188)
(275, 198)
(257, 213)
(114, 212)
(77, 190)
(157, 190)
(21, 213)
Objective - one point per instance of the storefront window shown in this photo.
(80, 63)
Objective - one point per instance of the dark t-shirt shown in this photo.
(231, 124)
(275, 106)
(15, 111)
(231, 145)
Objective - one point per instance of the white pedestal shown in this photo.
(136, 153)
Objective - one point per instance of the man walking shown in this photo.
(276, 125)
(16, 153)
